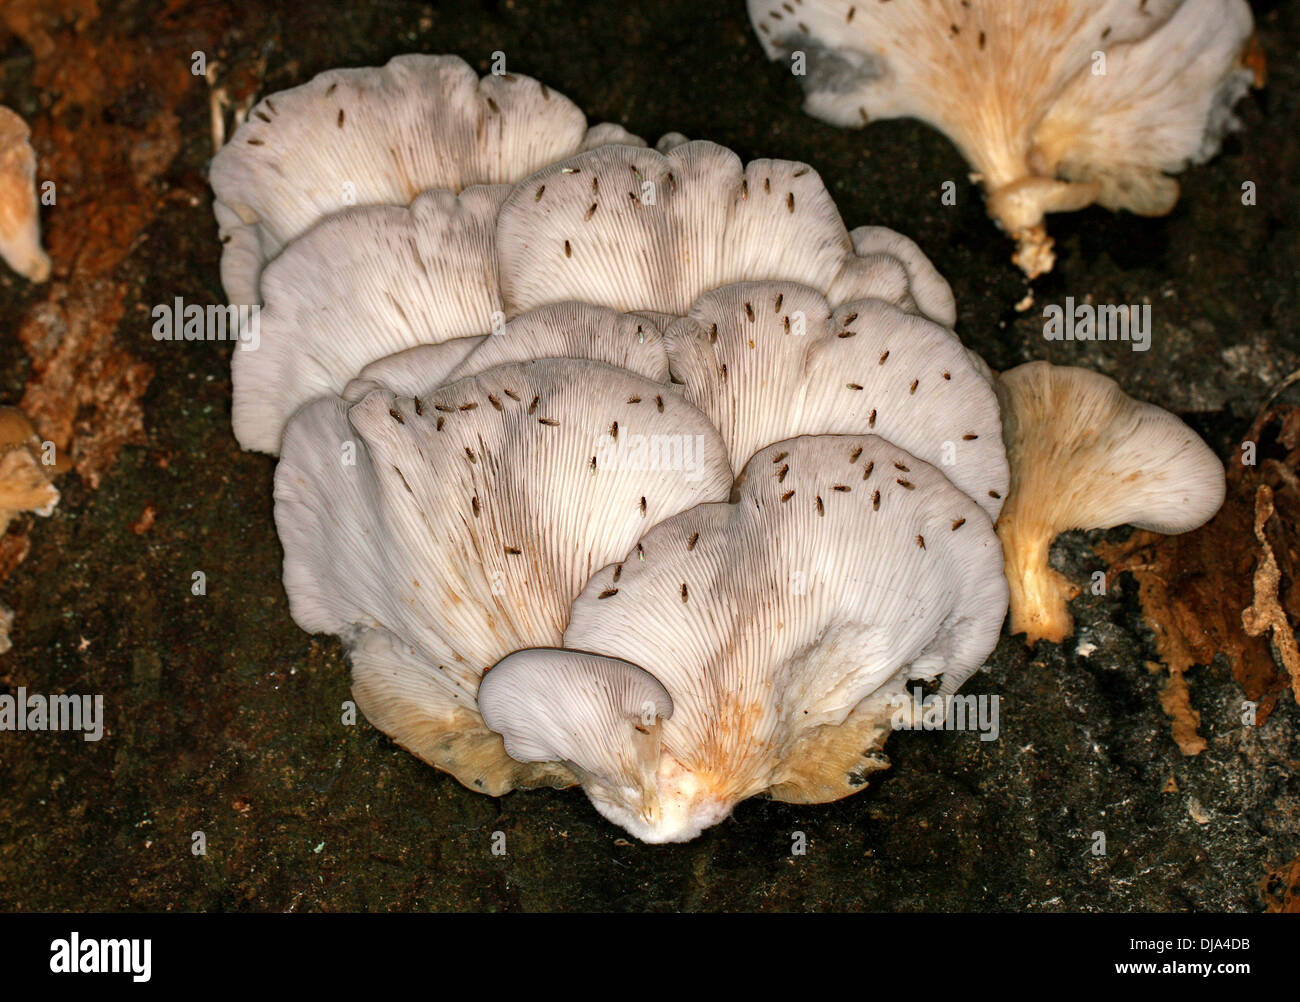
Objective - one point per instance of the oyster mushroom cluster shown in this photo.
(627, 467)
(1055, 104)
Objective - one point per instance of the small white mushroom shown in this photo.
(574, 330)
(1085, 455)
(638, 230)
(804, 607)
(598, 716)
(380, 136)
(437, 534)
(608, 134)
(930, 290)
(20, 224)
(361, 285)
(771, 360)
(1056, 104)
(669, 141)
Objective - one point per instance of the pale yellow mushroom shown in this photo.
(24, 484)
(1056, 104)
(1085, 455)
(24, 477)
(20, 226)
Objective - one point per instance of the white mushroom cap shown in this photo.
(20, 223)
(1018, 87)
(642, 231)
(669, 141)
(435, 535)
(861, 368)
(574, 330)
(772, 620)
(599, 716)
(608, 134)
(413, 372)
(361, 285)
(565, 330)
(379, 136)
(1084, 455)
(930, 290)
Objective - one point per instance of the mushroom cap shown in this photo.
(379, 136)
(862, 368)
(20, 225)
(464, 526)
(639, 231)
(574, 330)
(1085, 455)
(669, 141)
(1164, 103)
(930, 290)
(358, 286)
(564, 330)
(1017, 86)
(599, 716)
(414, 371)
(780, 615)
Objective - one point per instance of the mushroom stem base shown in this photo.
(1019, 208)
(1040, 596)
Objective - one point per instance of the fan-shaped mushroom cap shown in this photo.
(1055, 103)
(365, 285)
(574, 330)
(643, 231)
(437, 534)
(669, 141)
(834, 579)
(771, 360)
(413, 372)
(930, 290)
(1085, 455)
(599, 716)
(380, 136)
(608, 134)
(564, 330)
(361, 285)
(20, 224)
